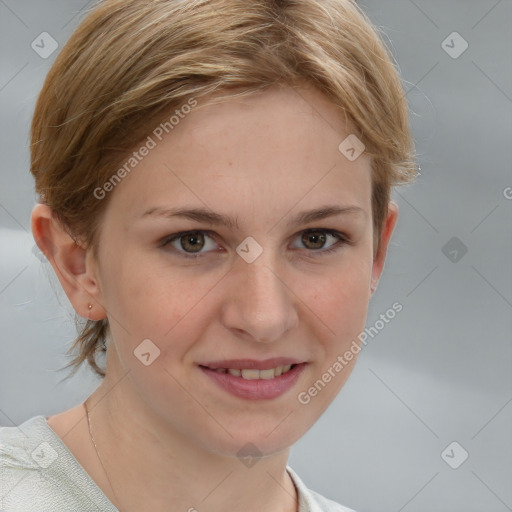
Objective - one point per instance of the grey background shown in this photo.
(440, 371)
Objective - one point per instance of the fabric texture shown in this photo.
(38, 473)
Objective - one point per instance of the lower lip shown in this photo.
(257, 389)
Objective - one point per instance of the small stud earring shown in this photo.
(90, 307)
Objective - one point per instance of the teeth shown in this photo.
(267, 374)
(253, 374)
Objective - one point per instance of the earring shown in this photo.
(90, 307)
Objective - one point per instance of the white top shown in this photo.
(38, 473)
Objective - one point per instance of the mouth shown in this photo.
(255, 380)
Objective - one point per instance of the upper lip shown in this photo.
(249, 364)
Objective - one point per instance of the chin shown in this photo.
(255, 438)
(249, 448)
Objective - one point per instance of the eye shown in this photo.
(316, 238)
(190, 243)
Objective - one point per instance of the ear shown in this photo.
(73, 265)
(387, 230)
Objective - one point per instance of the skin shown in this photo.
(261, 159)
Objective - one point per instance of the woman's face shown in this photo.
(255, 288)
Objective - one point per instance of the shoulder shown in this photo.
(18, 446)
(23, 455)
(38, 472)
(311, 501)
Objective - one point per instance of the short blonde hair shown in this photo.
(132, 62)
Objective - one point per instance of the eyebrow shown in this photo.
(213, 218)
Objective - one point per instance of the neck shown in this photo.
(150, 465)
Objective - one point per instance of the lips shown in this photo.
(239, 379)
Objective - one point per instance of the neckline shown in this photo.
(303, 504)
(69, 459)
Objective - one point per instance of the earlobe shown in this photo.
(69, 262)
(387, 230)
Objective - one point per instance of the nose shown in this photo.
(260, 306)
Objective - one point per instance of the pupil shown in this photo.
(194, 241)
(319, 240)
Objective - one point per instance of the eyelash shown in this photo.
(342, 240)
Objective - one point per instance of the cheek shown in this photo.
(340, 308)
(139, 290)
(340, 299)
(150, 301)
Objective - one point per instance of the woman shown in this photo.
(214, 182)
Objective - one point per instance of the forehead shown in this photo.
(276, 119)
(261, 153)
